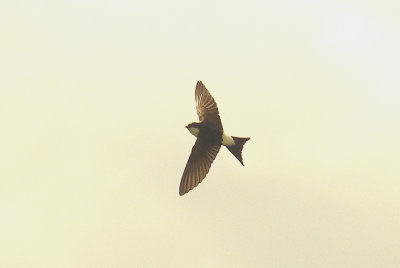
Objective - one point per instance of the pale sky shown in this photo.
(94, 97)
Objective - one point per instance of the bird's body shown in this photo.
(207, 132)
(210, 136)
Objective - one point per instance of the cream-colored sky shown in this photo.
(94, 98)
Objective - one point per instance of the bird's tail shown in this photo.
(236, 149)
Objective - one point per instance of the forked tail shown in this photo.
(236, 149)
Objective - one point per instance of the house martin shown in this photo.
(210, 136)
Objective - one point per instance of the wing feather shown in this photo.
(198, 165)
(206, 106)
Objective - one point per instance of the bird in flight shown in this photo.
(210, 136)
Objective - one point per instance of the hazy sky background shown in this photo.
(94, 97)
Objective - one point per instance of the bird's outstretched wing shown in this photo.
(206, 107)
(198, 165)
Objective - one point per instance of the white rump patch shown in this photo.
(227, 140)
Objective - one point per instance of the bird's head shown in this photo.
(193, 128)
